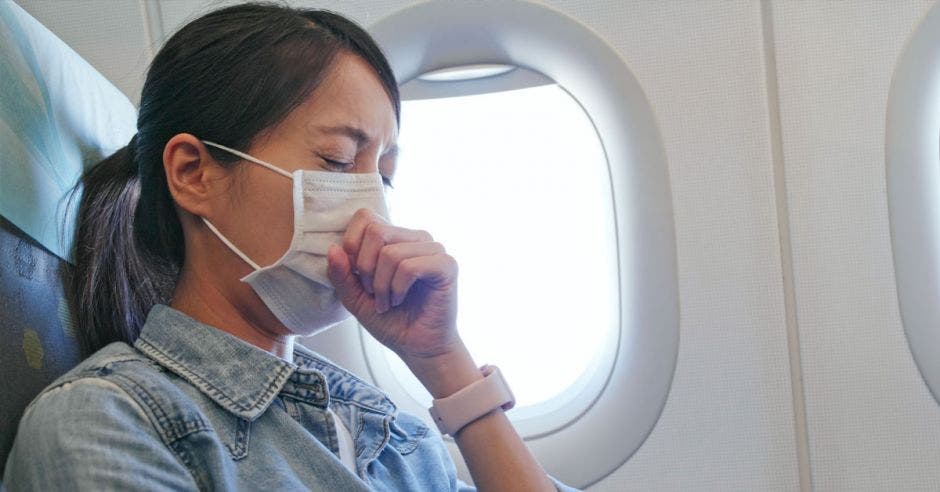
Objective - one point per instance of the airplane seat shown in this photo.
(40, 342)
(57, 116)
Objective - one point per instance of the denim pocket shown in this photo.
(406, 433)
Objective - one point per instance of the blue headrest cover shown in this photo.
(57, 116)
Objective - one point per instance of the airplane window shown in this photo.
(529, 149)
(516, 185)
(913, 186)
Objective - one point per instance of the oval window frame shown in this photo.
(439, 34)
(547, 416)
(912, 173)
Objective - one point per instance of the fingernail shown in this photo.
(367, 283)
(380, 307)
(396, 300)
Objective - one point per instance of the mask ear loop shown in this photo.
(212, 227)
(230, 245)
(250, 158)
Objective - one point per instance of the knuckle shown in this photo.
(349, 244)
(450, 261)
(390, 253)
(408, 269)
(369, 215)
(376, 232)
(364, 264)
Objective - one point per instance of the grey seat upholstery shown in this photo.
(38, 336)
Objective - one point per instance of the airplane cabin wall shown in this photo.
(772, 117)
(872, 423)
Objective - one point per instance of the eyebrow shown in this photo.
(352, 132)
(358, 135)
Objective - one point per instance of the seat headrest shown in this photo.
(58, 115)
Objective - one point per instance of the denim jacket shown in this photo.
(192, 407)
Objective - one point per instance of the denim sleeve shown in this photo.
(90, 435)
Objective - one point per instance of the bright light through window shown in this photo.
(515, 185)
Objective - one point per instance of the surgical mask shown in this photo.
(296, 287)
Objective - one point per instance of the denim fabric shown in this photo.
(192, 407)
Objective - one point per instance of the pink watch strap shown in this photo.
(472, 402)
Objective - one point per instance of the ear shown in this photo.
(193, 176)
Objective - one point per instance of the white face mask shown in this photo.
(296, 287)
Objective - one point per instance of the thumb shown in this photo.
(347, 285)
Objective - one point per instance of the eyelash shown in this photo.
(346, 165)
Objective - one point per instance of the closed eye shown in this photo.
(342, 166)
(338, 165)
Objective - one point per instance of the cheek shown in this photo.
(268, 218)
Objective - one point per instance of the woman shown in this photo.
(264, 135)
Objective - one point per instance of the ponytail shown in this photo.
(115, 281)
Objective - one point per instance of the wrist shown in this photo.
(472, 403)
(447, 373)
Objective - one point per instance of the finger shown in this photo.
(348, 289)
(439, 271)
(389, 258)
(375, 237)
(352, 238)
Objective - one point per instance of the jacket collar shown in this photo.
(343, 385)
(244, 379)
(240, 377)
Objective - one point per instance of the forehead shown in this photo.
(350, 95)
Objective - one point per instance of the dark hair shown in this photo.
(223, 77)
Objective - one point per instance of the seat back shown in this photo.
(38, 334)
(58, 115)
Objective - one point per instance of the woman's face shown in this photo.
(347, 125)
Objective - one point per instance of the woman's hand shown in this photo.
(402, 287)
(399, 284)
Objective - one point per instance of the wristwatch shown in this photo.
(472, 402)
